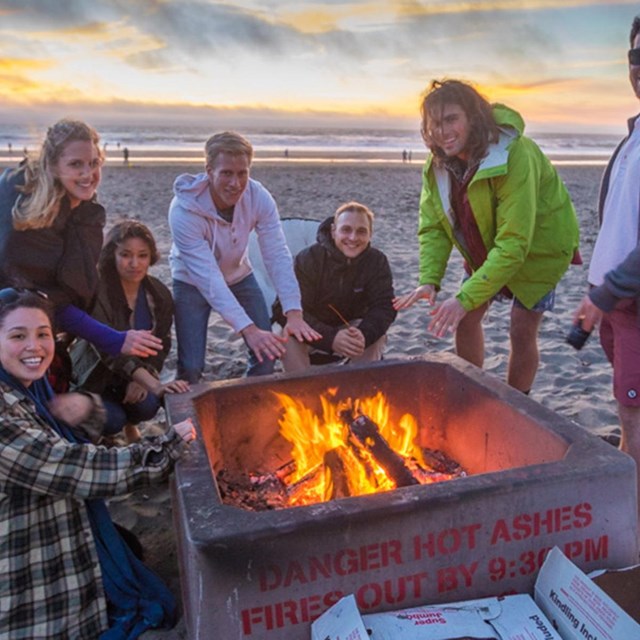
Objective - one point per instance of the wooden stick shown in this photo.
(346, 322)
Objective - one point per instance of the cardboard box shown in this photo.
(508, 618)
(568, 605)
(577, 606)
(623, 586)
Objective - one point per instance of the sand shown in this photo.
(575, 384)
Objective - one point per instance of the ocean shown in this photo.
(185, 144)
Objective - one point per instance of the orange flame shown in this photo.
(315, 440)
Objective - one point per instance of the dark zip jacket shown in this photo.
(95, 371)
(359, 288)
(59, 260)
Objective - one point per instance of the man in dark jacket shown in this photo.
(614, 272)
(347, 291)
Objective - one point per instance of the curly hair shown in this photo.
(483, 128)
(119, 233)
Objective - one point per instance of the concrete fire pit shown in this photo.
(536, 480)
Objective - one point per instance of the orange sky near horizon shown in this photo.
(561, 64)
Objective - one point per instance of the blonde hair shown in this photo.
(356, 207)
(227, 142)
(42, 190)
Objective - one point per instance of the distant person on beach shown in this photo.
(125, 155)
(210, 217)
(128, 298)
(10, 146)
(489, 191)
(67, 572)
(51, 234)
(613, 301)
(347, 292)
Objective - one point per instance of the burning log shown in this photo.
(368, 435)
(335, 465)
(308, 488)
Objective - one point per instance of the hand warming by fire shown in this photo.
(353, 449)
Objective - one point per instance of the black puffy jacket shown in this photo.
(358, 288)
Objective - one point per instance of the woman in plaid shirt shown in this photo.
(66, 572)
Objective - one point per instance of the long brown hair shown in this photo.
(42, 189)
(119, 233)
(483, 128)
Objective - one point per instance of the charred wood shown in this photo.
(368, 435)
(336, 467)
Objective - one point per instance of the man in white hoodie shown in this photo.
(210, 217)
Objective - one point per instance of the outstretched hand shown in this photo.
(426, 291)
(141, 343)
(446, 317)
(263, 343)
(175, 386)
(185, 430)
(299, 329)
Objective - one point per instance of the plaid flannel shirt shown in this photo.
(51, 585)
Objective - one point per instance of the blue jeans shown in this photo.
(192, 319)
(119, 414)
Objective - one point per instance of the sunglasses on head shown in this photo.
(634, 57)
(12, 294)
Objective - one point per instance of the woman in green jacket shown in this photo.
(489, 191)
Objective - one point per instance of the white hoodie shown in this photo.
(210, 253)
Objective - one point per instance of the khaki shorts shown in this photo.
(620, 339)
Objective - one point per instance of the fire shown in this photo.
(328, 462)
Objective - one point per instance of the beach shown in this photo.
(575, 384)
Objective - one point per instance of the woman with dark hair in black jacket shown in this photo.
(128, 298)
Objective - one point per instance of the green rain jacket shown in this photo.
(524, 214)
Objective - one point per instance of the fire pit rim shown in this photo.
(195, 471)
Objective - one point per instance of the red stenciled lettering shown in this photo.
(251, 617)
(416, 581)
(450, 578)
(370, 557)
(270, 577)
(286, 613)
(583, 515)
(564, 518)
(380, 555)
(543, 522)
(346, 562)
(310, 608)
(369, 596)
(500, 532)
(295, 573)
(320, 568)
(597, 549)
(590, 549)
(391, 552)
(522, 528)
(445, 542)
(329, 599)
(529, 525)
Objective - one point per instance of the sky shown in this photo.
(338, 63)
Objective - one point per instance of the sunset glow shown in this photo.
(562, 64)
